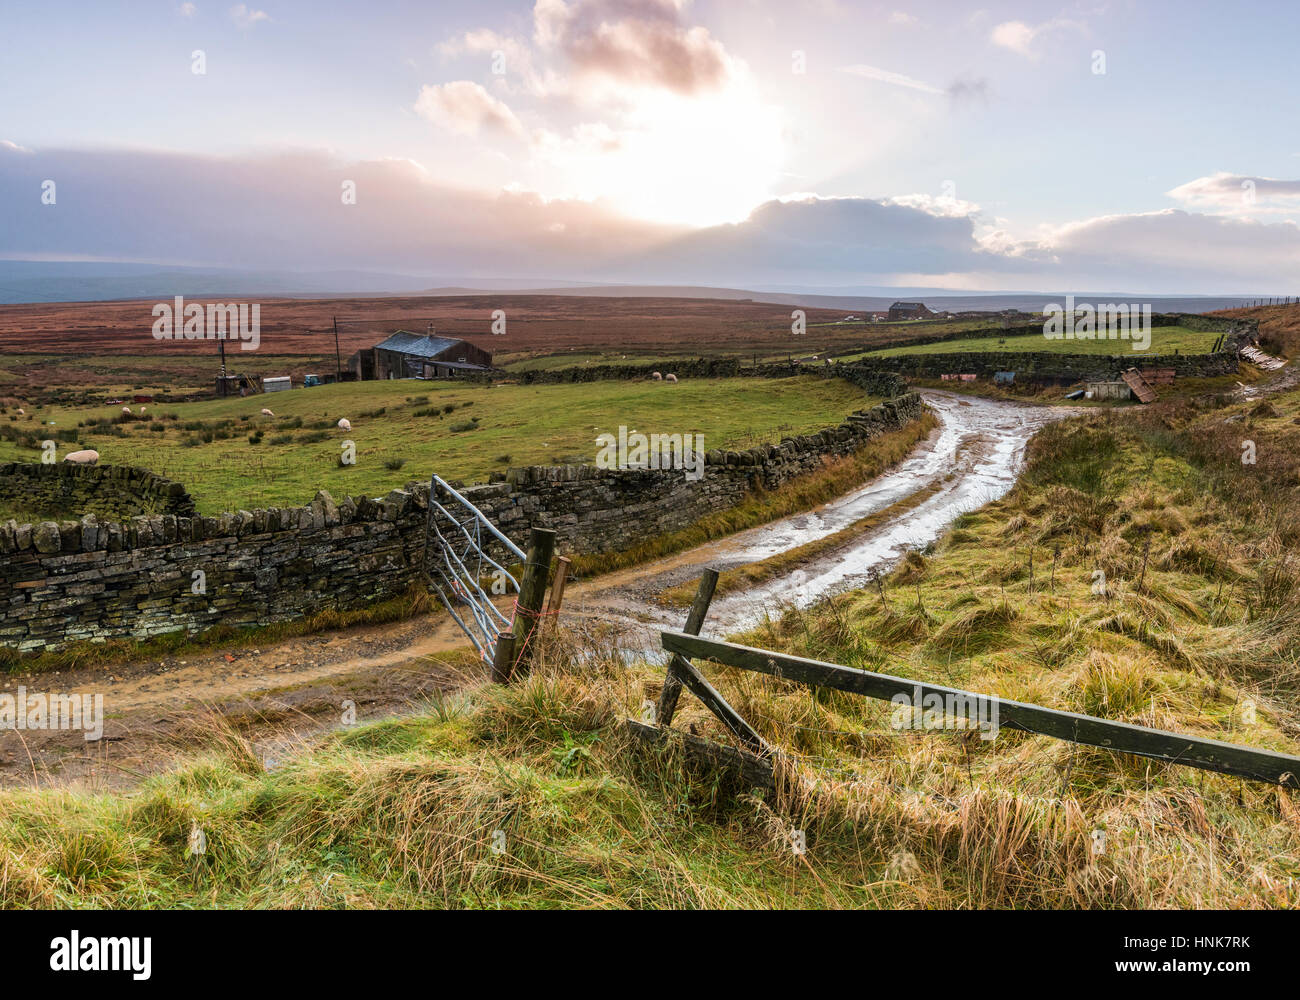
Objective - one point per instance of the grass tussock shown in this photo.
(531, 795)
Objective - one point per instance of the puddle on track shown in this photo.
(973, 458)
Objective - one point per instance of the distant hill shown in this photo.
(95, 281)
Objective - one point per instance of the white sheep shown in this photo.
(266, 412)
(126, 410)
(670, 377)
(21, 411)
(656, 376)
(142, 409)
(345, 424)
(87, 457)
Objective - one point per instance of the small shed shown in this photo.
(1109, 390)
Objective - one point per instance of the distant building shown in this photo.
(415, 355)
(908, 310)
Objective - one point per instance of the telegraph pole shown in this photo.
(221, 381)
(338, 359)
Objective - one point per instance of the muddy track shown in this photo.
(282, 693)
(973, 457)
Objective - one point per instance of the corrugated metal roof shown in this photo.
(417, 344)
(1139, 386)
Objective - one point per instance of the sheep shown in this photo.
(670, 377)
(87, 457)
(21, 411)
(266, 412)
(126, 411)
(345, 424)
(142, 410)
(656, 376)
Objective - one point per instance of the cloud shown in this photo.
(516, 56)
(637, 42)
(465, 107)
(1014, 35)
(613, 91)
(187, 10)
(245, 17)
(1238, 192)
(961, 90)
(943, 205)
(273, 211)
(814, 240)
(904, 18)
(1022, 38)
(264, 211)
(1175, 249)
(968, 88)
(890, 77)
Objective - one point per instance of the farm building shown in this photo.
(414, 355)
(1109, 390)
(909, 310)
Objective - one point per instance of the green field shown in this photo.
(402, 433)
(1164, 340)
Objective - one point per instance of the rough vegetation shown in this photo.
(1197, 628)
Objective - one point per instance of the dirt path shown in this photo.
(281, 692)
(286, 691)
(972, 458)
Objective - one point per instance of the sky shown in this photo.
(1129, 146)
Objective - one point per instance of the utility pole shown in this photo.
(338, 359)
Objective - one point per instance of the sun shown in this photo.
(693, 161)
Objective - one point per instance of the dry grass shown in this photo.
(1205, 641)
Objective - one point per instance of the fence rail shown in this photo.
(1157, 744)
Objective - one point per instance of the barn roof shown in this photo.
(907, 305)
(417, 344)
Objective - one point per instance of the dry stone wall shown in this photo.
(106, 490)
(97, 579)
(1043, 366)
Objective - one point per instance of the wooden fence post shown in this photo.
(672, 688)
(528, 614)
(504, 658)
(557, 586)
